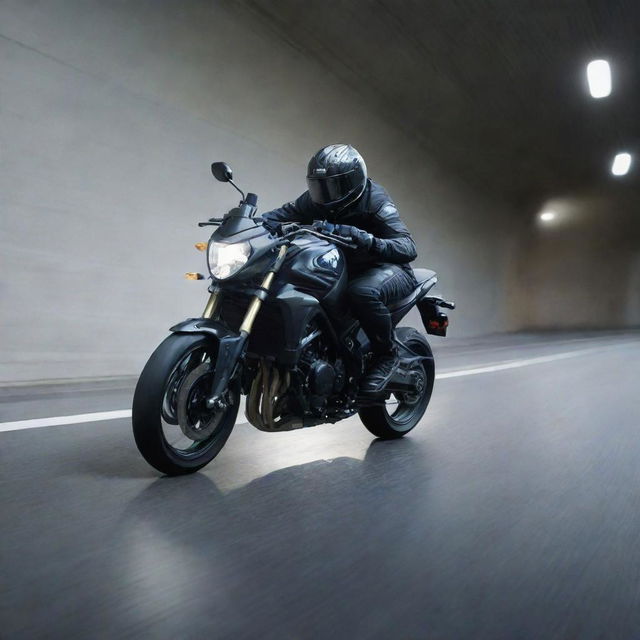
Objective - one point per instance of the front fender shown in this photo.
(231, 346)
(204, 325)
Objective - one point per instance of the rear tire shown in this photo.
(159, 386)
(385, 425)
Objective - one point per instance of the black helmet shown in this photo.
(336, 176)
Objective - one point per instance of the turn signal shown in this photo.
(192, 275)
(201, 246)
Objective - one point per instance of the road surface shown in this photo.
(511, 511)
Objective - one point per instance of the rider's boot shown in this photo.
(380, 370)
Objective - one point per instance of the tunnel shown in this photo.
(503, 140)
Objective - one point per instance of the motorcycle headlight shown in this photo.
(226, 259)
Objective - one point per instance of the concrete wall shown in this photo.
(110, 113)
(581, 270)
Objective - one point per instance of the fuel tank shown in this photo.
(315, 267)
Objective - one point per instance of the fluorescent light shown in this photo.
(547, 216)
(599, 78)
(621, 164)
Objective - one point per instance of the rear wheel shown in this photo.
(173, 428)
(402, 412)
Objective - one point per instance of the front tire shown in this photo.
(386, 424)
(177, 373)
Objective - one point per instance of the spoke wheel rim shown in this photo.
(402, 408)
(172, 433)
(197, 421)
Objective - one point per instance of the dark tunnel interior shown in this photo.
(487, 488)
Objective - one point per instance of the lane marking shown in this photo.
(60, 420)
(516, 364)
(126, 413)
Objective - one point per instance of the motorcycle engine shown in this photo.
(321, 380)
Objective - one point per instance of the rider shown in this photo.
(342, 200)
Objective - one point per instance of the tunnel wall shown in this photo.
(110, 116)
(580, 271)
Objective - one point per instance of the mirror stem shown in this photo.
(233, 184)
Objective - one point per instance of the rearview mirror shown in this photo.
(222, 171)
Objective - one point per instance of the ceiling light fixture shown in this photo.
(547, 216)
(621, 164)
(599, 78)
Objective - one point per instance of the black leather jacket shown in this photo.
(373, 212)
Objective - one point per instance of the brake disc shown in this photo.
(196, 420)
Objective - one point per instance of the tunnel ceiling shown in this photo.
(494, 90)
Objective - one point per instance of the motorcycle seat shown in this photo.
(425, 279)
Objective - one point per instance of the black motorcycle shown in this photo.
(276, 329)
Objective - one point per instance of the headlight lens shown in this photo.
(226, 259)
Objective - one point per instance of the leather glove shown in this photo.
(323, 226)
(362, 239)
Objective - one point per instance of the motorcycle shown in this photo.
(277, 329)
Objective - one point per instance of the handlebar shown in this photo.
(340, 241)
(337, 240)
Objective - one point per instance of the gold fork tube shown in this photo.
(256, 303)
(212, 304)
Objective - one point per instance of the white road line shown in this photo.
(60, 420)
(515, 364)
(126, 413)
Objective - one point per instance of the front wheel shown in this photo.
(174, 430)
(402, 412)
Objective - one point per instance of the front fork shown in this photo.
(232, 346)
(212, 304)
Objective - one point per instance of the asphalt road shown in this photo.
(512, 511)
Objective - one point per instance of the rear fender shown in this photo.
(434, 320)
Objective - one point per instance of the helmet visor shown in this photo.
(330, 189)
